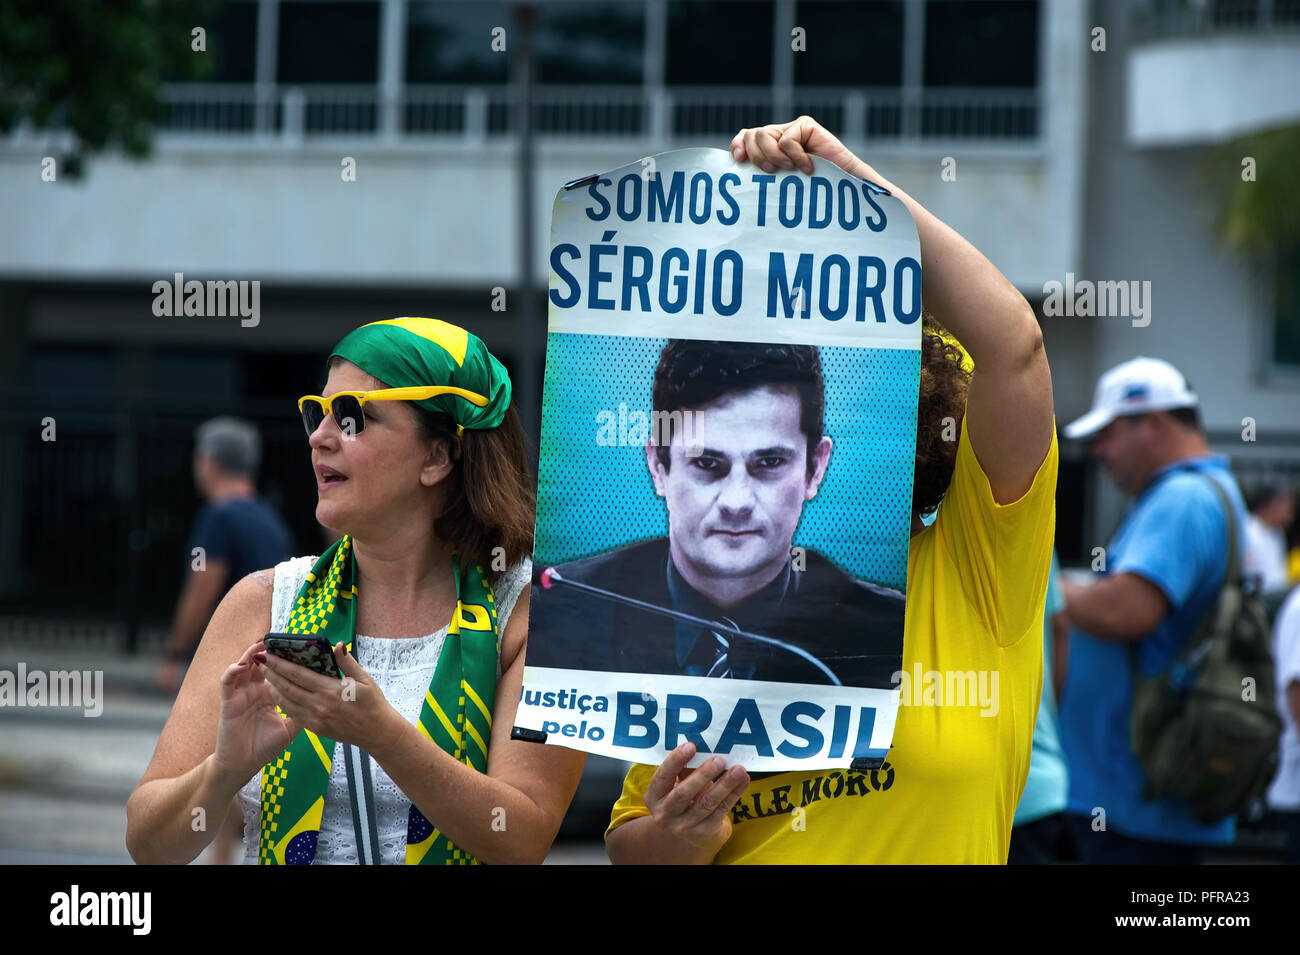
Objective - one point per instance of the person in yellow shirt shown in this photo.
(976, 586)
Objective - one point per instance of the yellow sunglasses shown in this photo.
(348, 407)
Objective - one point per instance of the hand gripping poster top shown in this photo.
(725, 482)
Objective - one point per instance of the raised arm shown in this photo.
(1009, 408)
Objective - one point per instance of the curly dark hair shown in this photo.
(941, 405)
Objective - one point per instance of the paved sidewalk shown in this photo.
(65, 777)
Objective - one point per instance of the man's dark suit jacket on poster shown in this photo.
(852, 626)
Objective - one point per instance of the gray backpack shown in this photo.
(1200, 736)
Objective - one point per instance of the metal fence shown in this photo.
(474, 113)
(108, 507)
(1166, 18)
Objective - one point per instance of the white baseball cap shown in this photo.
(1135, 387)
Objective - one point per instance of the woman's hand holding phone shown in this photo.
(315, 653)
(250, 732)
(349, 710)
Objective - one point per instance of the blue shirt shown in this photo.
(245, 532)
(1174, 535)
(1048, 782)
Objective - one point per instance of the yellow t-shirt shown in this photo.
(976, 585)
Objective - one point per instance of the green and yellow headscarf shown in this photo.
(404, 352)
(457, 710)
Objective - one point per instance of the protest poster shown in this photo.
(726, 460)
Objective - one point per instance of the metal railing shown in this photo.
(108, 507)
(217, 108)
(1157, 19)
(476, 113)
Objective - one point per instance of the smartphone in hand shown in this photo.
(315, 653)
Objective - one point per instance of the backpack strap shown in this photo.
(1231, 573)
(1193, 649)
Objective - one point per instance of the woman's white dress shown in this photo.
(402, 669)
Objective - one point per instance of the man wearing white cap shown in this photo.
(1157, 577)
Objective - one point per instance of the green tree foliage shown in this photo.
(94, 68)
(1260, 216)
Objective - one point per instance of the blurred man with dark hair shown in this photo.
(734, 485)
(234, 534)
(1159, 574)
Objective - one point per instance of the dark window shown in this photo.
(1231, 13)
(850, 44)
(55, 371)
(724, 43)
(329, 43)
(232, 44)
(452, 42)
(1286, 318)
(277, 379)
(69, 502)
(981, 43)
(199, 380)
(591, 43)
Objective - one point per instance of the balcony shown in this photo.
(1201, 73)
(1180, 18)
(473, 114)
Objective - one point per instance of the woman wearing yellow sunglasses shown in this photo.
(405, 755)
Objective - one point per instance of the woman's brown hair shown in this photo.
(490, 502)
(940, 408)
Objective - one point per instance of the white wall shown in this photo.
(1208, 89)
(424, 216)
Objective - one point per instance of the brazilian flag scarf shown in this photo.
(457, 711)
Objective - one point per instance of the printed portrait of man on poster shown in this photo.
(727, 450)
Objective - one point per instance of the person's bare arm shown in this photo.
(690, 813)
(509, 815)
(1293, 700)
(1120, 608)
(161, 822)
(1009, 408)
(644, 841)
(199, 597)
